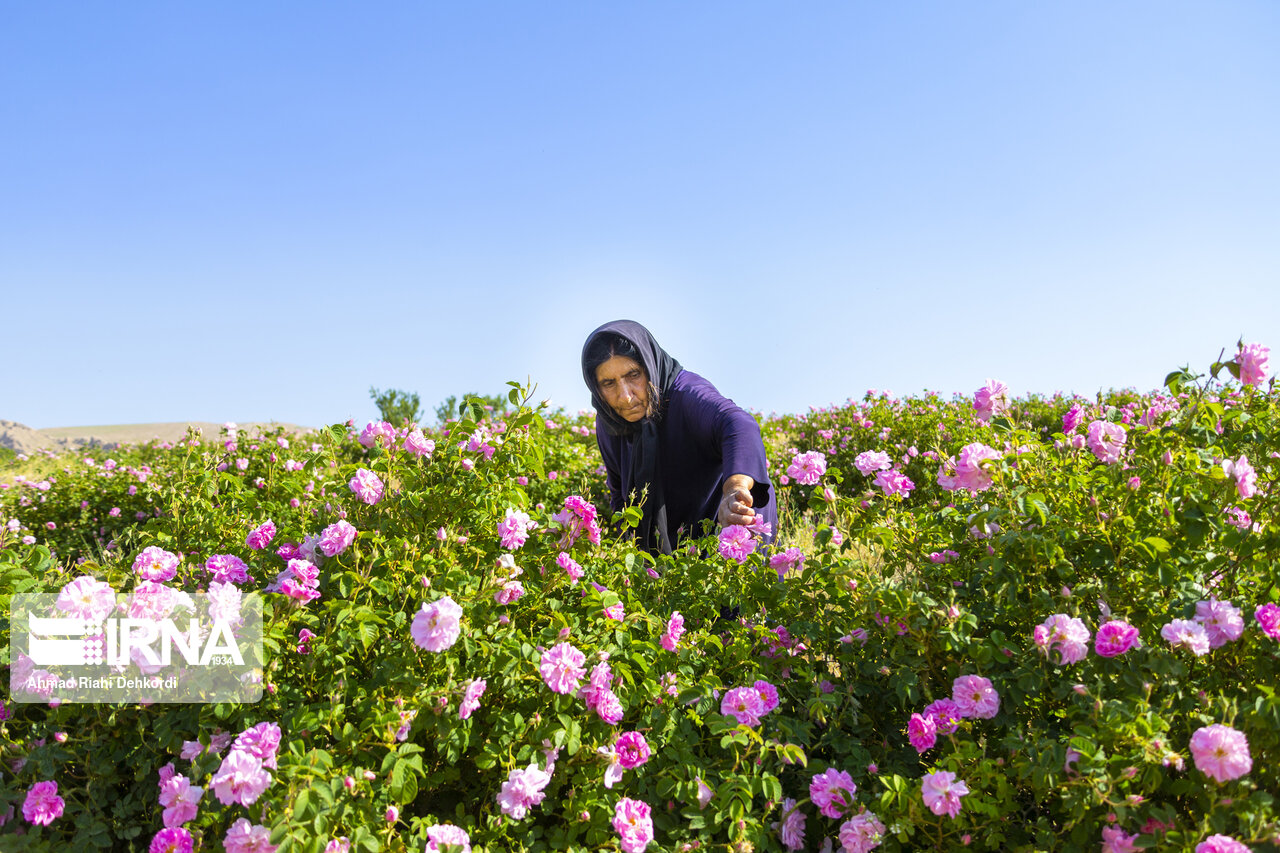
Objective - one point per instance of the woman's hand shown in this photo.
(735, 505)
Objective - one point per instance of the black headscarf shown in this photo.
(642, 437)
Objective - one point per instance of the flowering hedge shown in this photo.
(992, 622)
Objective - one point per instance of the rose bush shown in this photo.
(976, 660)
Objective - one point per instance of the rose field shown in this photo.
(986, 622)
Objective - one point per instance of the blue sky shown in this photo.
(247, 211)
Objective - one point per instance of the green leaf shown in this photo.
(301, 804)
(1038, 508)
(1176, 381)
(408, 789)
(1156, 544)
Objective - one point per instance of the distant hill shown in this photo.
(24, 439)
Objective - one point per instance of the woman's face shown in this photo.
(624, 387)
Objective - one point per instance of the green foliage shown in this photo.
(897, 596)
(395, 406)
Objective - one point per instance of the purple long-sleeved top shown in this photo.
(705, 438)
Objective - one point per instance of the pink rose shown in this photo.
(894, 482)
(578, 518)
(1115, 638)
(240, 779)
(768, 695)
(632, 750)
(1106, 440)
(1072, 419)
(570, 566)
(787, 561)
(1066, 633)
(871, 461)
(511, 591)
(1116, 840)
(513, 530)
(246, 837)
(418, 444)
(971, 472)
(1221, 844)
(260, 537)
(227, 567)
(171, 840)
(675, 629)
(975, 697)
(807, 468)
(1221, 620)
(180, 800)
(1268, 616)
(991, 400)
(42, 805)
(744, 704)
(791, 828)
(444, 834)
(523, 790)
(561, 668)
(861, 833)
(1243, 473)
(945, 714)
(942, 792)
(437, 625)
(832, 792)
(87, 598)
(736, 543)
(922, 732)
(336, 538)
(632, 822)
(366, 486)
(1220, 752)
(1252, 359)
(1187, 634)
(157, 564)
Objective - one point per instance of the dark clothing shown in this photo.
(702, 438)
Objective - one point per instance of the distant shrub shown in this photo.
(395, 406)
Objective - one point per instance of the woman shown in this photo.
(668, 432)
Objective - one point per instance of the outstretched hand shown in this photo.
(736, 504)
